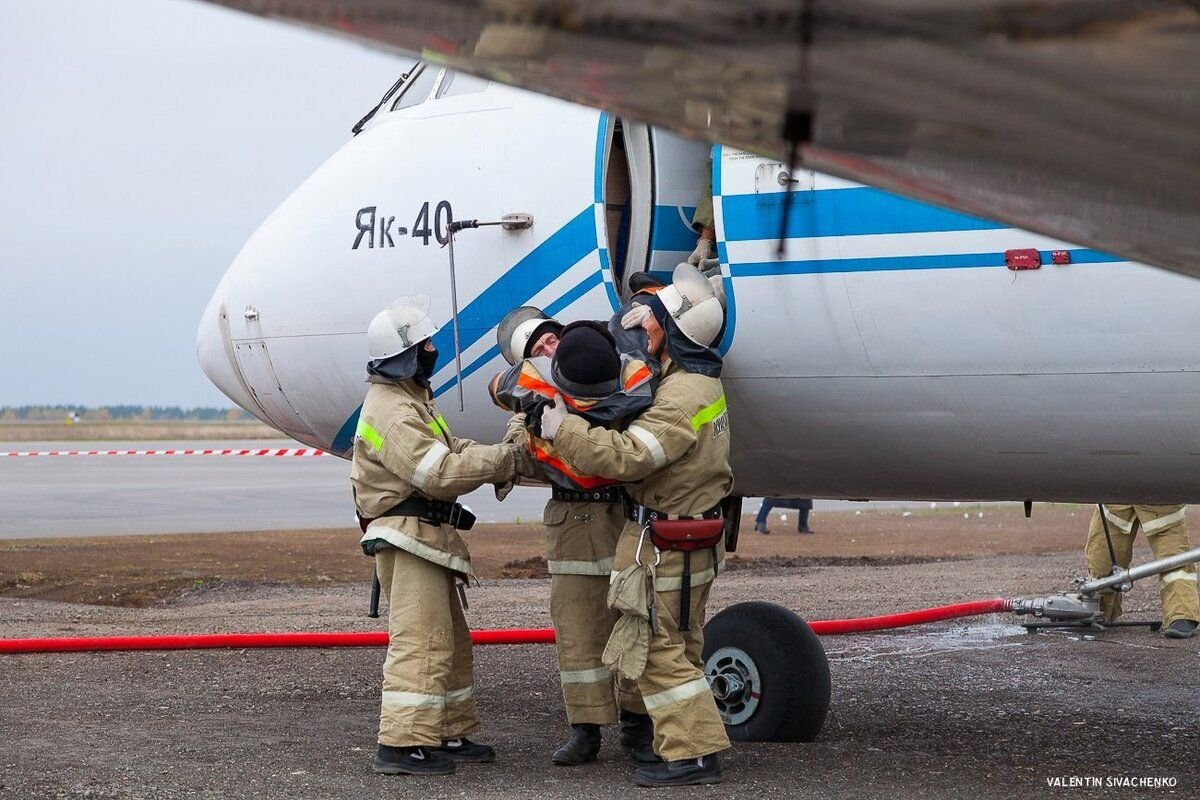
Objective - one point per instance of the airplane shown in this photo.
(896, 349)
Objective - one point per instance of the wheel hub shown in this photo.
(735, 683)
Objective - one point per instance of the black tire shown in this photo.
(791, 666)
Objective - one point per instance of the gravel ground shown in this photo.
(978, 709)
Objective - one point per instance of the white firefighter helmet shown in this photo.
(516, 329)
(692, 303)
(403, 324)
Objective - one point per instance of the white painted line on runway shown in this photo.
(288, 452)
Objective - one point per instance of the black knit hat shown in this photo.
(641, 281)
(586, 364)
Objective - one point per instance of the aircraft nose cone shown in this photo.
(215, 353)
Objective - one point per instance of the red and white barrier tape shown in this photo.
(286, 452)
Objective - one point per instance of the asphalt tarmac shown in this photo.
(55, 496)
(976, 709)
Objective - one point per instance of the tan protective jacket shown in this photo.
(674, 455)
(403, 448)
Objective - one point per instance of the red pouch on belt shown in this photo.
(686, 534)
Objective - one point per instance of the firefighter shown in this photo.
(407, 471)
(674, 457)
(582, 527)
(1166, 534)
(704, 224)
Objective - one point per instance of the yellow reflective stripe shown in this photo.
(1124, 525)
(708, 413)
(601, 567)
(1163, 522)
(460, 695)
(368, 434)
(665, 584)
(599, 675)
(651, 443)
(413, 699)
(1180, 574)
(437, 451)
(677, 694)
(439, 426)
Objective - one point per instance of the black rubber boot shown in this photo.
(466, 751)
(411, 761)
(1181, 629)
(582, 747)
(687, 772)
(637, 738)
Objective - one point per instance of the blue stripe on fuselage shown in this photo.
(563, 249)
(573, 294)
(839, 212)
(888, 263)
(598, 166)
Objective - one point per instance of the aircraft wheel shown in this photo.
(768, 673)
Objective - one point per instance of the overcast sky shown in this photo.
(141, 143)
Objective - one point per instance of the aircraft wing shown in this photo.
(1076, 118)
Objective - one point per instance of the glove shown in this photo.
(703, 252)
(552, 417)
(502, 490)
(635, 316)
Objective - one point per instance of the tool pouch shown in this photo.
(686, 534)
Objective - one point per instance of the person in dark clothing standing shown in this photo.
(802, 506)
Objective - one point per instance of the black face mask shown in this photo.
(427, 362)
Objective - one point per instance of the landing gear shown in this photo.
(768, 672)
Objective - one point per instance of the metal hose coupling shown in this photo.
(1074, 607)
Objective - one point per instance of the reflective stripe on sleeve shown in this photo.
(436, 453)
(601, 674)
(413, 699)
(368, 434)
(1163, 522)
(568, 567)
(678, 694)
(651, 443)
(708, 413)
(1115, 520)
(1177, 575)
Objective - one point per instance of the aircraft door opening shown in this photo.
(680, 174)
(627, 197)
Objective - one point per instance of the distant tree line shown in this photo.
(107, 413)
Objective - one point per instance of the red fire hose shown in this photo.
(829, 627)
(240, 641)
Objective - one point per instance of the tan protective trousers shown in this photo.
(581, 539)
(673, 686)
(1166, 534)
(428, 673)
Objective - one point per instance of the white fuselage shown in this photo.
(890, 353)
